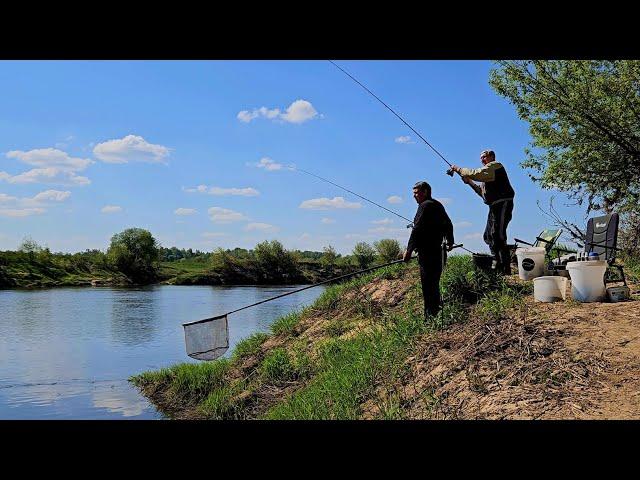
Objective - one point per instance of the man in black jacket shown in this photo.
(431, 226)
(497, 192)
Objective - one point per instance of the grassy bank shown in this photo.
(21, 270)
(341, 358)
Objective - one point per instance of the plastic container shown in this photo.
(593, 256)
(549, 289)
(530, 262)
(618, 294)
(587, 280)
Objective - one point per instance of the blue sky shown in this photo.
(186, 150)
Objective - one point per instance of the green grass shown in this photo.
(249, 346)
(348, 371)
(337, 375)
(286, 324)
(220, 405)
(192, 383)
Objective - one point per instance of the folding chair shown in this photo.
(547, 239)
(602, 238)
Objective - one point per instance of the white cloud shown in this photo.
(326, 204)
(50, 157)
(384, 221)
(185, 211)
(111, 209)
(246, 116)
(263, 227)
(20, 212)
(404, 139)
(472, 236)
(214, 234)
(53, 195)
(394, 199)
(50, 175)
(131, 148)
(462, 224)
(53, 167)
(4, 198)
(244, 192)
(305, 236)
(444, 201)
(269, 164)
(25, 206)
(299, 111)
(224, 215)
(327, 221)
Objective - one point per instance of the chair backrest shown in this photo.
(547, 238)
(602, 236)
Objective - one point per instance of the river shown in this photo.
(66, 353)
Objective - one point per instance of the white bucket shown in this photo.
(587, 280)
(549, 289)
(530, 262)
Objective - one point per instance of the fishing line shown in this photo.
(394, 112)
(293, 167)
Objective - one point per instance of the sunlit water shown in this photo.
(66, 353)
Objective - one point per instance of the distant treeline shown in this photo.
(134, 257)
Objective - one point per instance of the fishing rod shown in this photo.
(293, 167)
(450, 170)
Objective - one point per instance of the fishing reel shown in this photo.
(450, 172)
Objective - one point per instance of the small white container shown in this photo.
(618, 294)
(549, 289)
(587, 280)
(530, 262)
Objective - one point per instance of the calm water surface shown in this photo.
(66, 353)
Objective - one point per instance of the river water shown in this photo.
(66, 353)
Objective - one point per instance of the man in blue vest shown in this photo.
(496, 191)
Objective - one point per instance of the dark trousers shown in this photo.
(495, 234)
(430, 271)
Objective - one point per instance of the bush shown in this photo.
(388, 249)
(363, 254)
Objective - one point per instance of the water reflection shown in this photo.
(68, 352)
(133, 316)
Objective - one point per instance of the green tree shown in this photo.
(584, 118)
(364, 254)
(30, 247)
(388, 249)
(329, 256)
(274, 263)
(135, 253)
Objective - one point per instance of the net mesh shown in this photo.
(207, 339)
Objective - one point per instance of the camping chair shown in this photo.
(547, 239)
(602, 238)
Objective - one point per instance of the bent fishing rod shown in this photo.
(450, 170)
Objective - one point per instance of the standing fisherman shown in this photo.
(495, 191)
(430, 226)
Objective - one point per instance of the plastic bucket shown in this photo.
(587, 280)
(482, 261)
(549, 289)
(530, 262)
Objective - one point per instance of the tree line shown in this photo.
(136, 254)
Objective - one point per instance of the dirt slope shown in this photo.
(548, 361)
